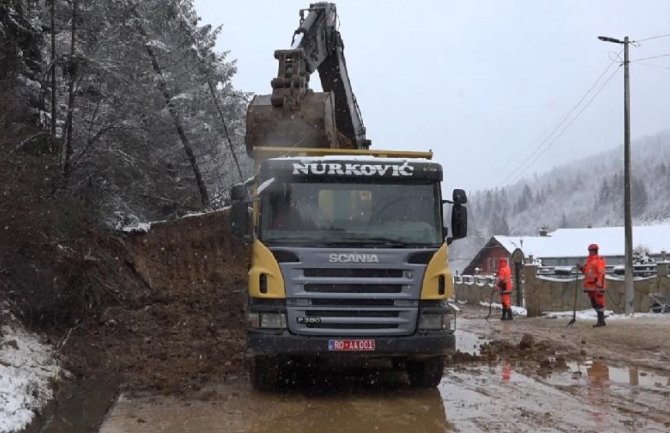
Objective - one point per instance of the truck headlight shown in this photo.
(435, 321)
(266, 320)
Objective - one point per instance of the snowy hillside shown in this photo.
(587, 192)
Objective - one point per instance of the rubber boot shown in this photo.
(509, 314)
(601, 319)
(504, 314)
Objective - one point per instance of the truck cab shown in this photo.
(349, 259)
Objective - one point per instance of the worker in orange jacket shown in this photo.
(504, 285)
(594, 282)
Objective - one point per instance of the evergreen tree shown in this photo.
(151, 119)
(525, 200)
(639, 197)
(20, 67)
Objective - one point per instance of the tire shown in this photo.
(426, 372)
(265, 373)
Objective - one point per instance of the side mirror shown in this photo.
(239, 213)
(239, 220)
(459, 221)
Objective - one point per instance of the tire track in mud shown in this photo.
(480, 399)
(586, 396)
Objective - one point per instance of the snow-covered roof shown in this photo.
(574, 242)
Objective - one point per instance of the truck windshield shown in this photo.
(386, 215)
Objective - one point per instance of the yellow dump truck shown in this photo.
(349, 245)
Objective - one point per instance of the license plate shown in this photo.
(351, 345)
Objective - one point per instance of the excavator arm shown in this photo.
(295, 116)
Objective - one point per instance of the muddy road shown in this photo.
(561, 380)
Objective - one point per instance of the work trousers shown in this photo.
(597, 298)
(506, 300)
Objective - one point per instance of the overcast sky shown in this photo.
(481, 83)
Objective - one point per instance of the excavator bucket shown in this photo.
(309, 124)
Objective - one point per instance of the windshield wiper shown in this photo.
(377, 242)
(352, 241)
(295, 241)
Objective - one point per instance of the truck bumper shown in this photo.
(283, 343)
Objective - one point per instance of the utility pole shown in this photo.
(629, 294)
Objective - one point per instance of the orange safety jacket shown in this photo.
(504, 276)
(594, 273)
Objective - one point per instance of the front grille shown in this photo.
(353, 302)
(346, 319)
(350, 313)
(353, 288)
(353, 273)
(352, 326)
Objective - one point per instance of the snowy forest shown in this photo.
(586, 192)
(111, 112)
(123, 105)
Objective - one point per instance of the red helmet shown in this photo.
(593, 247)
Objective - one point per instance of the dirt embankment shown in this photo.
(183, 326)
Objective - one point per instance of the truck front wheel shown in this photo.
(265, 373)
(425, 372)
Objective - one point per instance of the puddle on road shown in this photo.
(483, 398)
(592, 372)
(598, 373)
(239, 409)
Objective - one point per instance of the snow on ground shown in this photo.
(134, 225)
(137, 227)
(27, 368)
(609, 315)
(517, 311)
(581, 315)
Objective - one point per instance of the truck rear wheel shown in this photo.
(426, 372)
(265, 373)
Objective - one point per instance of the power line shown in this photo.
(558, 126)
(521, 168)
(541, 149)
(650, 58)
(655, 66)
(652, 37)
(520, 171)
(551, 138)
